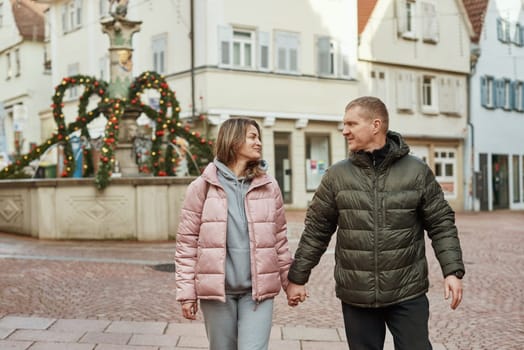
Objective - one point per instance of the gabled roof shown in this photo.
(365, 8)
(476, 10)
(29, 19)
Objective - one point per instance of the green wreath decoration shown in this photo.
(166, 119)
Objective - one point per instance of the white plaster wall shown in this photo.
(498, 131)
(381, 42)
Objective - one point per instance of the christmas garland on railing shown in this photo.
(166, 119)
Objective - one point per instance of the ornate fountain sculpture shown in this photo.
(121, 103)
(120, 31)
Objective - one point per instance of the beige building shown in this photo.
(415, 55)
(23, 75)
(293, 70)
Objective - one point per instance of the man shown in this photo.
(379, 201)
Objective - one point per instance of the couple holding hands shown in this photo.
(232, 255)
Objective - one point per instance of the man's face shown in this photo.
(358, 130)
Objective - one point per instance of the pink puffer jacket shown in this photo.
(201, 239)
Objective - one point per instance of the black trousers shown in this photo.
(407, 322)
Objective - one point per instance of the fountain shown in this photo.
(127, 206)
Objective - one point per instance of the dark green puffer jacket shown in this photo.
(381, 215)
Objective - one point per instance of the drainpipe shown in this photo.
(191, 38)
(475, 53)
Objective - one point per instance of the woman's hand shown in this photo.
(189, 310)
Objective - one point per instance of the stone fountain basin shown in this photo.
(130, 208)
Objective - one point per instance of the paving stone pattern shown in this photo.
(107, 295)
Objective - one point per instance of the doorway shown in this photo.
(500, 179)
(283, 172)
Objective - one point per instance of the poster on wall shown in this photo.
(315, 169)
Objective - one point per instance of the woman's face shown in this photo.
(251, 149)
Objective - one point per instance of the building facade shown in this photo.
(293, 70)
(497, 105)
(415, 55)
(23, 76)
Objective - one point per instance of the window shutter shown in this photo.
(484, 91)
(344, 61)
(293, 42)
(443, 92)
(459, 93)
(263, 50)
(65, 22)
(412, 88)
(401, 17)
(78, 10)
(521, 91)
(323, 46)
(403, 93)
(225, 41)
(431, 26)
(512, 89)
(499, 30)
(500, 93)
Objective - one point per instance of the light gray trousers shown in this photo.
(238, 324)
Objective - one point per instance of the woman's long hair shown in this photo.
(231, 136)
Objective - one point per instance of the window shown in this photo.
(406, 92)
(503, 94)
(487, 93)
(263, 50)
(17, 63)
(73, 69)
(378, 84)
(317, 159)
(516, 179)
(243, 49)
(429, 94)
(508, 94)
(333, 58)
(430, 33)
(286, 50)
(445, 170)
(9, 69)
(103, 8)
(518, 96)
(518, 37)
(159, 53)
(503, 30)
(71, 15)
(406, 14)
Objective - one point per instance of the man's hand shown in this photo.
(453, 286)
(296, 293)
(189, 310)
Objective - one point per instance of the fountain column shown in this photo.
(120, 31)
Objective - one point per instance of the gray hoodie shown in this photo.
(238, 261)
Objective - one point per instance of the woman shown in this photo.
(232, 252)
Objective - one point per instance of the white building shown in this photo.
(497, 104)
(23, 75)
(289, 64)
(415, 55)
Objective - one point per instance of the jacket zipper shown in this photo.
(375, 227)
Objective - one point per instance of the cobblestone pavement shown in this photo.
(121, 282)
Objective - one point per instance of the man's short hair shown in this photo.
(375, 107)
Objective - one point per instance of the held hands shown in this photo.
(296, 294)
(453, 286)
(189, 310)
